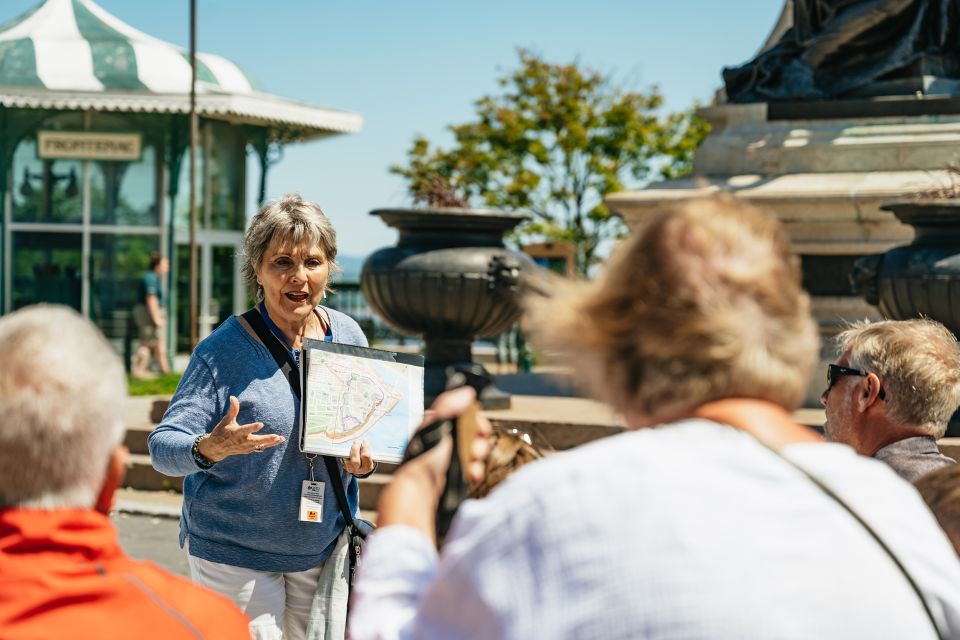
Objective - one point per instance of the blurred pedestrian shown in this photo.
(149, 315)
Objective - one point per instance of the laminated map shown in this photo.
(354, 394)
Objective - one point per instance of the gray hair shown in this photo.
(62, 395)
(918, 363)
(291, 219)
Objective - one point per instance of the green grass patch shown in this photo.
(159, 386)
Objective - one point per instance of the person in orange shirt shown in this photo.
(62, 572)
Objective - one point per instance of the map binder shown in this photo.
(355, 393)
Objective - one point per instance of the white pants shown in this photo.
(278, 604)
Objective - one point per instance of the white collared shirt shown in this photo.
(691, 530)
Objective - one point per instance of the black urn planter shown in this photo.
(922, 278)
(449, 279)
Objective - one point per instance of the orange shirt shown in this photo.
(63, 575)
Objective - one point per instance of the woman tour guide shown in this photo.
(231, 429)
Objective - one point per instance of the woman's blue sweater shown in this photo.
(243, 510)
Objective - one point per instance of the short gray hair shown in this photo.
(62, 396)
(918, 362)
(290, 219)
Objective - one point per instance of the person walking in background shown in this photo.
(714, 515)
(62, 573)
(150, 317)
(892, 391)
(231, 429)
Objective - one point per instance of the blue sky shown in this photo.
(414, 66)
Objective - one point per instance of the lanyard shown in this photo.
(275, 330)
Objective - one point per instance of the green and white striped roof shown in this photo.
(71, 54)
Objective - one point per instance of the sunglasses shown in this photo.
(836, 371)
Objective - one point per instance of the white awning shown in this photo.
(291, 120)
(71, 54)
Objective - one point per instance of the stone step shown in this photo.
(554, 424)
(371, 488)
(142, 477)
(168, 504)
(135, 438)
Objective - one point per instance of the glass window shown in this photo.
(45, 190)
(223, 278)
(46, 268)
(125, 192)
(226, 164)
(117, 263)
(181, 274)
(221, 159)
(181, 206)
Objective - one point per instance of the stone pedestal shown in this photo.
(825, 178)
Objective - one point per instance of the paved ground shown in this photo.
(152, 538)
(148, 527)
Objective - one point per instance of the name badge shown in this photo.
(311, 501)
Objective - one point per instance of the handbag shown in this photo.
(356, 528)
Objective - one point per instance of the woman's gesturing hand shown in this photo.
(229, 438)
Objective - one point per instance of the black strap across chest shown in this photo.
(292, 372)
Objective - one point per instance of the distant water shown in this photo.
(351, 265)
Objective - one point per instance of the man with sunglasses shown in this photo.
(892, 391)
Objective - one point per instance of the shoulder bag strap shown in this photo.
(279, 353)
(333, 470)
(282, 357)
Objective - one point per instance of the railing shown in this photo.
(348, 298)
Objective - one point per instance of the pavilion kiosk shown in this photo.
(94, 170)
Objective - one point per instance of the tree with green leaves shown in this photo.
(555, 141)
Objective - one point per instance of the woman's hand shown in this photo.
(412, 496)
(229, 438)
(360, 461)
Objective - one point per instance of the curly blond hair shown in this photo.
(509, 450)
(704, 303)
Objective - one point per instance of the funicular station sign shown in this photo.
(77, 145)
